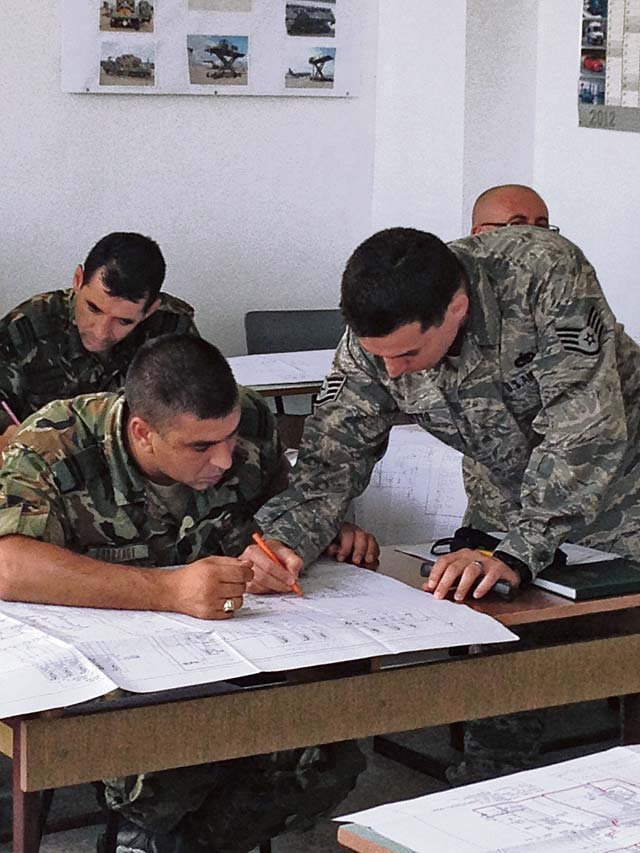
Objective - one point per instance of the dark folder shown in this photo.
(591, 580)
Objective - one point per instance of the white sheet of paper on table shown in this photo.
(282, 368)
(587, 805)
(346, 613)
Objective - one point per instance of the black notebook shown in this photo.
(592, 580)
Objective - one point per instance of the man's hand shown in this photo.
(7, 436)
(201, 588)
(465, 567)
(269, 577)
(354, 545)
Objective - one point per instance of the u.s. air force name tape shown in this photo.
(331, 388)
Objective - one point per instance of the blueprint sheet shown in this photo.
(416, 491)
(588, 805)
(346, 613)
(282, 368)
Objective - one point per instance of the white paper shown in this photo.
(39, 672)
(588, 805)
(346, 613)
(282, 368)
(416, 492)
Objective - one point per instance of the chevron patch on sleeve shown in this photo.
(586, 340)
(331, 388)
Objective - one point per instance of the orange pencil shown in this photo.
(264, 547)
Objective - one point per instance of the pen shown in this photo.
(10, 412)
(264, 547)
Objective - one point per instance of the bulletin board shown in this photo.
(212, 47)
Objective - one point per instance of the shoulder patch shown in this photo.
(331, 388)
(587, 340)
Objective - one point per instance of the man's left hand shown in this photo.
(354, 545)
(464, 569)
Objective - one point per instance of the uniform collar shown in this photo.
(483, 325)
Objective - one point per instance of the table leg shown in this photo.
(631, 718)
(26, 807)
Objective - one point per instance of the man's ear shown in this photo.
(153, 307)
(78, 277)
(459, 306)
(141, 432)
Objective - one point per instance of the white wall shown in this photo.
(500, 96)
(420, 116)
(591, 178)
(256, 202)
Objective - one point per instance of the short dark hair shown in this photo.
(179, 374)
(134, 268)
(396, 277)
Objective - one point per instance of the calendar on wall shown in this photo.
(212, 47)
(609, 80)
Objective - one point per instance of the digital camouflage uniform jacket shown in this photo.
(545, 396)
(69, 480)
(42, 357)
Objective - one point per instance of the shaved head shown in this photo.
(508, 204)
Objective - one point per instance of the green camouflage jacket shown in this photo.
(545, 397)
(69, 480)
(42, 357)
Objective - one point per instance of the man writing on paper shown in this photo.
(503, 346)
(68, 342)
(98, 491)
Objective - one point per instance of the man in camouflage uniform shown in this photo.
(501, 206)
(503, 346)
(68, 342)
(98, 491)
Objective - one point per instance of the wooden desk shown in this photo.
(365, 840)
(94, 741)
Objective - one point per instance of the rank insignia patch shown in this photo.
(331, 388)
(586, 340)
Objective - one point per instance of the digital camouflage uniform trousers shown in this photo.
(42, 357)
(543, 401)
(68, 479)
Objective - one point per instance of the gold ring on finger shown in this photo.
(228, 606)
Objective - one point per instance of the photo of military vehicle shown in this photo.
(122, 15)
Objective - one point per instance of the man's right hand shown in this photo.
(201, 588)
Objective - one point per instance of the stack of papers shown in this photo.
(282, 368)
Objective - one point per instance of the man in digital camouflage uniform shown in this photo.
(95, 493)
(503, 346)
(68, 342)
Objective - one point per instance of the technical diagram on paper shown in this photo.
(416, 491)
(588, 805)
(346, 613)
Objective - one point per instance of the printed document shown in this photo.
(346, 613)
(587, 805)
(416, 491)
(282, 368)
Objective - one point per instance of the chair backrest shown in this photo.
(293, 330)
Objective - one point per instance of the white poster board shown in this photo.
(211, 47)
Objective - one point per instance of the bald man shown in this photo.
(509, 204)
